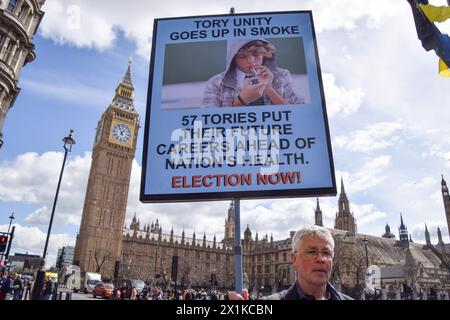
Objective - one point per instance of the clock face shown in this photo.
(121, 132)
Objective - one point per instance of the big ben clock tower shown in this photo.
(99, 240)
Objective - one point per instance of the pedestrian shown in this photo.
(124, 291)
(117, 293)
(312, 258)
(18, 287)
(2, 281)
(48, 290)
(8, 287)
(144, 292)
(133, 295)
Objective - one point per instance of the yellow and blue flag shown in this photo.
(432, 39)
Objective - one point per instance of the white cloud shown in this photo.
(41, 216)
(346, 54)
(367, 214)
(96, 24)
(424, 183)
(340, 100)
(370, 174)
(437, 148)
(33, 178)
(68, 92)
(374, 137)
(351, 12)
(32, 240)
(65, 22)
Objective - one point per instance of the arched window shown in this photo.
(7, 50)
(22, 12)
(15, 60)
(11, 5)
(27, 20)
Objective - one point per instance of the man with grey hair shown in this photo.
(312, 258)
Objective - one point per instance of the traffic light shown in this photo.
(214, 280)
(116, 269)
(3, 243)
(174, 268)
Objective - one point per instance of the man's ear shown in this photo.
(293, 258)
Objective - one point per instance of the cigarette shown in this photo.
(254, 71)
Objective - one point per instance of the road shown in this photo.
(78, 295)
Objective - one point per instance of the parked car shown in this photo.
(104, 290)
(138, 284)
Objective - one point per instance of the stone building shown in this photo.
(344, 218)
(266, 263)
(64, 257)
(19, 21)
(147, 253)
(403, 265)
(99, 241)
(25, 262)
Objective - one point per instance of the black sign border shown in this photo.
(218, 196)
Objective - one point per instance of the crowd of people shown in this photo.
(124, 292)
(312, 259)
(15, 286)
(12, 286)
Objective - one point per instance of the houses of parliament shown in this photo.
(147, 252)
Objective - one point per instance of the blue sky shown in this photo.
(387, 112)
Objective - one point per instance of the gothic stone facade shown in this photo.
(148, 254)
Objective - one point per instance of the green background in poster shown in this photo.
(199, 61)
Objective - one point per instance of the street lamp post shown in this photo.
(366, 294)
(367, 256)
(68, 142)
(213, 280)
(11, 218)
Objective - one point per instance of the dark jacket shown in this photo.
(295, 293)
(49, 286)
(7, 285)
